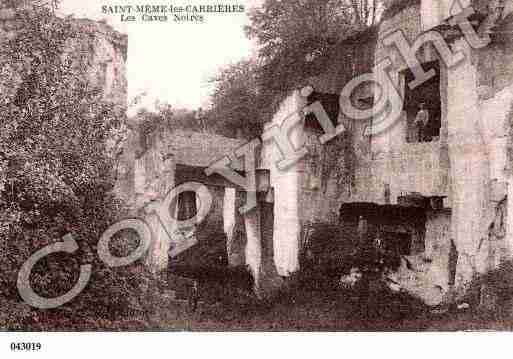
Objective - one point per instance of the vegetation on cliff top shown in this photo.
(294, 41)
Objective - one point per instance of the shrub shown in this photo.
(56, 178)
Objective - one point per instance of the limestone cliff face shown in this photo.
(468, 163)
(107, 53)
(149, 158)
(101, 48)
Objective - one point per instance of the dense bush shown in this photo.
(56, 177)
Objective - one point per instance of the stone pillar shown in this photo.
(267, 224)
(496, 110)
(229, 219)
(287, 229)
(270, 282)
(470, 203)
(438, 245)
(469, 168)
(444, 161)
(259, 250)
(157, 257)
(286, 183)
(509, 220)
(253, 250)
(233, 223)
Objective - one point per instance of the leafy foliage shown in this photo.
(294, 40)
(147, 123)
(236, 100)
(54, 130)
(56, 167)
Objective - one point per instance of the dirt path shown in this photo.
(321, 311)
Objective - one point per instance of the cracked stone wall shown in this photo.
(466, 165)
(149, 172)
(105, 49)
(429, 280)
(469, 165)
(481, 92)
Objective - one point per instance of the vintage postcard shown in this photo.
(255, 166)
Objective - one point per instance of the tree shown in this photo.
(235, 100)
(54, 131)
(58, 142)
(56, 167)
(294, 40)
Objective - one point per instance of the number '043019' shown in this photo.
(26, 346)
